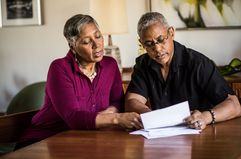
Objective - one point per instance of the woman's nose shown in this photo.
(96, 43)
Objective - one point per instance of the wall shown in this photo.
(26, 52)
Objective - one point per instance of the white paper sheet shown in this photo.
(165, 132)
(166, 122)
(169, 116)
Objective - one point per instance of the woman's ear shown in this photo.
(71, 47)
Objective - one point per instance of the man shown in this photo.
(170, 73)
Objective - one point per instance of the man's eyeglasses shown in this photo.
(159, 40)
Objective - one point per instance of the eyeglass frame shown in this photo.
(158, 40)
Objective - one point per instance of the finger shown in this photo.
(136, 123)
(203, 125)
(194, 111)
(137, 120)
(193, 124)
(131, 125)
(189, 120)
(198, 125)
(193, 118)
(196, 114)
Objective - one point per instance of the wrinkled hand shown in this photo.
(196, 120)
(130, 120)
(110, 109)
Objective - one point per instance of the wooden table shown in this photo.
(221, 141)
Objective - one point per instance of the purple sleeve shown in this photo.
(117, 93)
(60, 87)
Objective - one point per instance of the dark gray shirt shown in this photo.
(192, 77)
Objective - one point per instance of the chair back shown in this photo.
(29, 98)
(20, 111)
(11, 128)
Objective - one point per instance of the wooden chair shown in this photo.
(12, 127)
(237, 89)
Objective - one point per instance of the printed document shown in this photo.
(166, 122)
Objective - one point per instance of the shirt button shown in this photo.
(165, 93)
(93, 105)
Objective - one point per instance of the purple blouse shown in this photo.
(72, 101)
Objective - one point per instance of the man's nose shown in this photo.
(157, 46)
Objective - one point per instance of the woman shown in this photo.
(83, 89)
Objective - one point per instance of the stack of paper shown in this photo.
(166, 122)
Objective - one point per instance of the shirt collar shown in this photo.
(177, 59)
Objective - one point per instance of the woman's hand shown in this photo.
(110, 109)
(110, 117)
(130, 120)
(197, 120)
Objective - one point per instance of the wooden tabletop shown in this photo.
(222, 141)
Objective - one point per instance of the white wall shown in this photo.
(26, 52)
(219, 45)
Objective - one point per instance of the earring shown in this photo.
(75, 57)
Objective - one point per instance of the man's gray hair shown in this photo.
(150, 18)
(73, 26)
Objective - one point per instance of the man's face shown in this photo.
(158, 42)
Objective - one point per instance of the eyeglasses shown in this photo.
(159, 40)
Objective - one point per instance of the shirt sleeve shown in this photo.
(212, 83)
(138, 83)
(60, 88)
(116, 92)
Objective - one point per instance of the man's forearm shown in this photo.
(133, 105)
(228, 109)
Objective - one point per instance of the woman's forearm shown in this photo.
(125, 120)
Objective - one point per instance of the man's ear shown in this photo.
(172, 31)
(141, 42)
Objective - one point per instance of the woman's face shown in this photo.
(89, 47)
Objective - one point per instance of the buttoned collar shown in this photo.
(177, 59)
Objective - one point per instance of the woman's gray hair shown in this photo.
(150, 18)
(73, 26)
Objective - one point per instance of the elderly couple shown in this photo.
(84, 89)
